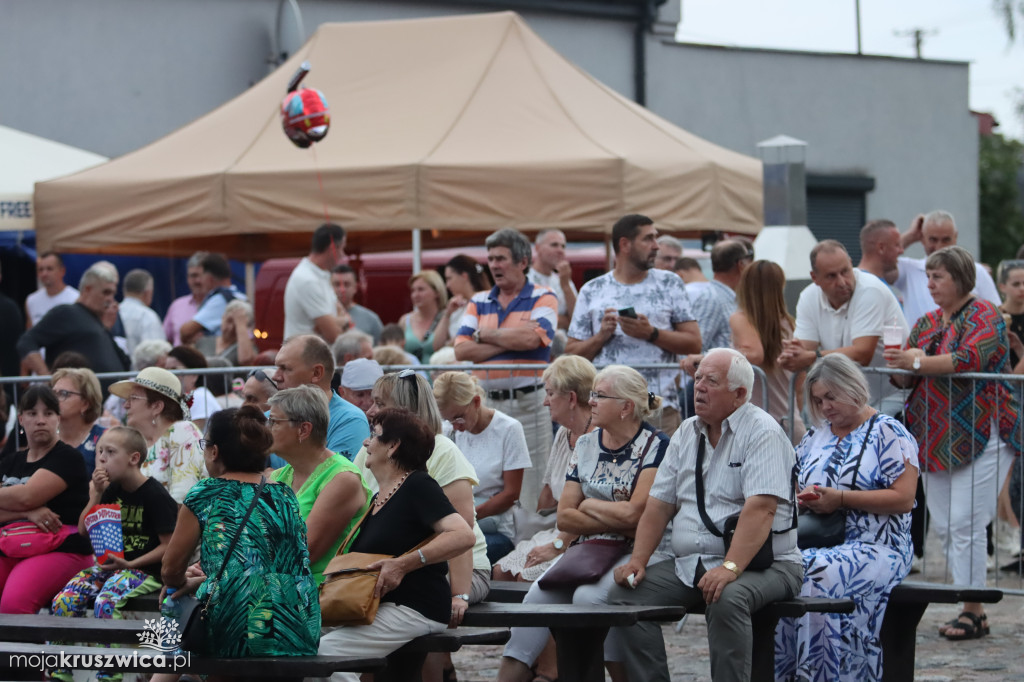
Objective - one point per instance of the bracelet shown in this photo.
(463, 597)
(423, 559)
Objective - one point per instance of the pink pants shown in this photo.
(29, 584)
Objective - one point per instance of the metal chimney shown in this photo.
(785, 180)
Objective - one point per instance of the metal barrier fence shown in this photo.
(1002, 538)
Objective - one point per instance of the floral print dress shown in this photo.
(176, 460)
(266, 601)
(874, 558)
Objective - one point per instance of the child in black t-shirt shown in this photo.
(148, 515)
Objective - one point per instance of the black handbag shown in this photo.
(194, 616)
(765, 554)
(828, 530)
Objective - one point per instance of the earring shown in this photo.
(154, 421)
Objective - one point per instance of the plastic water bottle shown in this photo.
(171, 610)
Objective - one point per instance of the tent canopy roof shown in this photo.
(457, 125)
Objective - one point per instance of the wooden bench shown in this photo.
(907, 605)
(403, 665)
(579, 630)
(763, 622)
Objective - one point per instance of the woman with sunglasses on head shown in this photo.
(330, 489)
(495, 445)
(155, 406)
(470, 572)
(610, 475)
(81, 404)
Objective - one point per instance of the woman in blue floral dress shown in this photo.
(865, 463)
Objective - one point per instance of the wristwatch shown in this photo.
(463, 597)
(917, 363)
(558, 543)
(732, 567)
(654, 335)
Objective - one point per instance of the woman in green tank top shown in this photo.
(331, 492)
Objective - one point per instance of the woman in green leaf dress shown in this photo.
(265, 602)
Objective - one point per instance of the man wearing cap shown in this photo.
(357, 380)
(513, 323)
(307, 359)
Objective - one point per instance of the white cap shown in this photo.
(360, 374)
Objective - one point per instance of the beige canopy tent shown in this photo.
(457, 125)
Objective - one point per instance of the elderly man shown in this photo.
(310, 305)
(307, 359)
(551, 269)
(513, 323)
(746, 466)
(935, 230)
(184, 308)
(141, 323)
(78, 327)
(636, 315)
(52, 290)
(357, 382)
(670, 250)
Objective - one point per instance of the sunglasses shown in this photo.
(411, 376)
(261, 376)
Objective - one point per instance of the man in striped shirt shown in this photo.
(513, 323)
(745, 463)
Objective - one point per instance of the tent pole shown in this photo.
(250, 280)
(417, 252)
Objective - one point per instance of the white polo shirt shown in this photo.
(917, 300)
(307, 296)
(871, 307)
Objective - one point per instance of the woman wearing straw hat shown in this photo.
(155, 406)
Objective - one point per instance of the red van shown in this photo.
(384, 281)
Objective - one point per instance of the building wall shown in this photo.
(904, 122)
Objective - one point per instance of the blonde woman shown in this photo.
(81, 404)
(495, 445)
(429, 297)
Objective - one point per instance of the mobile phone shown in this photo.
(628, 312)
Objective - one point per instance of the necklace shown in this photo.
(378, 502)
(573, 437)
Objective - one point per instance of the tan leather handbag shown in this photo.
(346, 594)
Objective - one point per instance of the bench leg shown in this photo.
(402, 667)
(899, 641)
(580, 653)
(762, 659)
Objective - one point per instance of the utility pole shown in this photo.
(857, 4)
(918, 34)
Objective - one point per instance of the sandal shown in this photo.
(955, 623)
(975, 627)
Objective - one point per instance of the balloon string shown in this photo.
(320, 181)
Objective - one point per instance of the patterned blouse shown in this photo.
(951, 418)
(176, 460)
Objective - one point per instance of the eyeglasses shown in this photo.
(594, 395)
(204, 443)
(261, 376)
(64, 395)
(130, 398)
(272, 422)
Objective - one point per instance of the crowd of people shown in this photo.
(639, 467)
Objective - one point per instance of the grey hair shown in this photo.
(148, 353)
(740, 374)
(842, 377)
(137, 281)
(671, 242)
(349, 343)
(545, 232)
(305, 403)
(959, 263)
(100, 271)
(514, 240)
(628, 383)
(938, 218)
(239, 304)
(196, 259)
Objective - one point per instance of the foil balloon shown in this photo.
(305, 116)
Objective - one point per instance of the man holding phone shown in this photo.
(636, 315)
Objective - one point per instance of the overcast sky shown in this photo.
(961, 30)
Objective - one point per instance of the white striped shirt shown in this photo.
(753, 457)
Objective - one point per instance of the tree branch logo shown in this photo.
(161, 635)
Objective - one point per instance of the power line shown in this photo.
(918, 35)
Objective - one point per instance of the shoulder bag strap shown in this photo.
(699, 481)
(348, 538)
(863, 446)
(241, 526)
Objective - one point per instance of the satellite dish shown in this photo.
(289, 32)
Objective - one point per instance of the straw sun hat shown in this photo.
(155, 379)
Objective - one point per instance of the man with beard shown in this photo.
(843, 311)
(636, 315)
